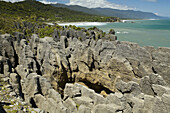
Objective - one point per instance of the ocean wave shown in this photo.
(122, 32)
(84, 24)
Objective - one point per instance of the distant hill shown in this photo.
(34, 10)
(127, 13)
(79, 8)
(111, 12)
(14, 16)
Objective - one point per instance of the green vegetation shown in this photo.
(77, 106)
(103, 34)
(92, 28)
(35, 11)
(47, 31)
(30, 17)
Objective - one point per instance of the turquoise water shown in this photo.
(144, 32)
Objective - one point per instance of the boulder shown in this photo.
(112, 98)
(106, 108)
(146, 86)
(157, 79)
(84, 101)
(54, 95)
(130, 87)
(15, 82)
(166, 100)
(160, 90)
(149, 102)
(112, 31)
(72, 91)
(159, 106)
(71, 105)
(56, 35)
(84, 109)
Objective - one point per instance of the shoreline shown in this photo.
(86, 23)
(83, 23)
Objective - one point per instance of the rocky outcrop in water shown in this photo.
(76, 72)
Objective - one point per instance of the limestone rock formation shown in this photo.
(73, 72)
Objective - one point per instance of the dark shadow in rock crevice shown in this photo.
(21, 94)
(1, 107)
(92, 65)
(63, 78)
(2, 110)
(38, 66)
(15, 56)
(154, 71)
(96, 87)
(33, 104)
(2, 68)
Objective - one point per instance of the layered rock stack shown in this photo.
(69, 74)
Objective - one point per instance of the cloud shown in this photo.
(13, 0)
(151, 0)
(44, 1)
(156, 14)
(47, 2)
(98, 3)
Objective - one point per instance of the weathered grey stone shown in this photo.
(112, 31)
(51, 106)
(71, 33)
(136, 103)
(166, 101)
(70, 104)
(130, 87)
(14, 78)
(54, 95)
(113, 99)
(6, 70)
(160, 59)
(44, 85)
(149, 102)
(84, 101)
(160, 90)
(72, 91)
(86, 92)
(146, 86)
(56, 35)
(15, 81)
(157, 79)
(159, 106)
(84, 109)
(113, 37)
(106, 108)
(23, 72)
(82, 35)
(31, 86)
(41, 102)
(55, 62)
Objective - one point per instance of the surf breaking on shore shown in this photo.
(84, 23)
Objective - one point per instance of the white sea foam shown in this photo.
(50, 24)
(125, 32)
(127, 20)
(122, 32)
(84, 24)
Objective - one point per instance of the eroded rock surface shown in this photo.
(66, 74)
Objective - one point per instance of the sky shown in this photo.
(158, 7)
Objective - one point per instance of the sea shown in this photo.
(154, 33)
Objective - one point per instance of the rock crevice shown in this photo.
(68, 75)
